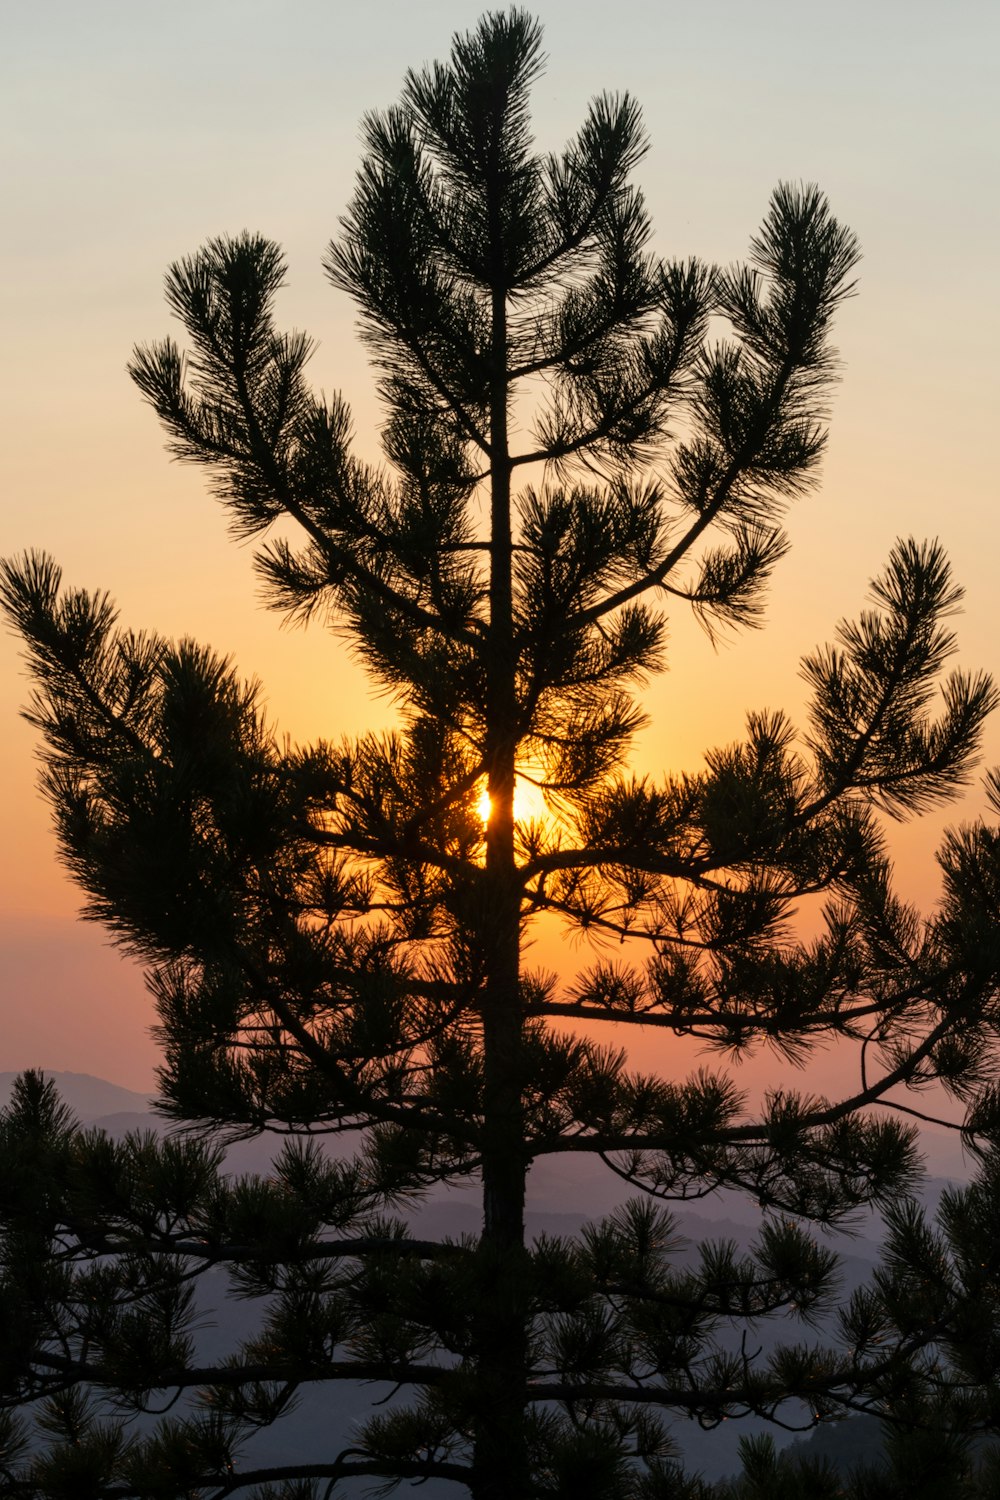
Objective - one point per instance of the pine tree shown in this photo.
(336, 941)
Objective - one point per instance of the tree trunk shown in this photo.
(501, 1470)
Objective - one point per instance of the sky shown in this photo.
(132, 133)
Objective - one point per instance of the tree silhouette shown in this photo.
(335, 939)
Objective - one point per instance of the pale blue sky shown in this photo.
(132, 131)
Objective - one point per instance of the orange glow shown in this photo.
(529, 803)
(104, 500)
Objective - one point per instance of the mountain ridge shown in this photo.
(87, 1096)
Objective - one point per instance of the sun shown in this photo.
(529, 804)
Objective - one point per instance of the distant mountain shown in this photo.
(563, 1193)
(846, 1444)
(558, 1184)
(89, 1098)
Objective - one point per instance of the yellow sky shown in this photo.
(135, 132)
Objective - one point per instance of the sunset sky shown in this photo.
(133, 132)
